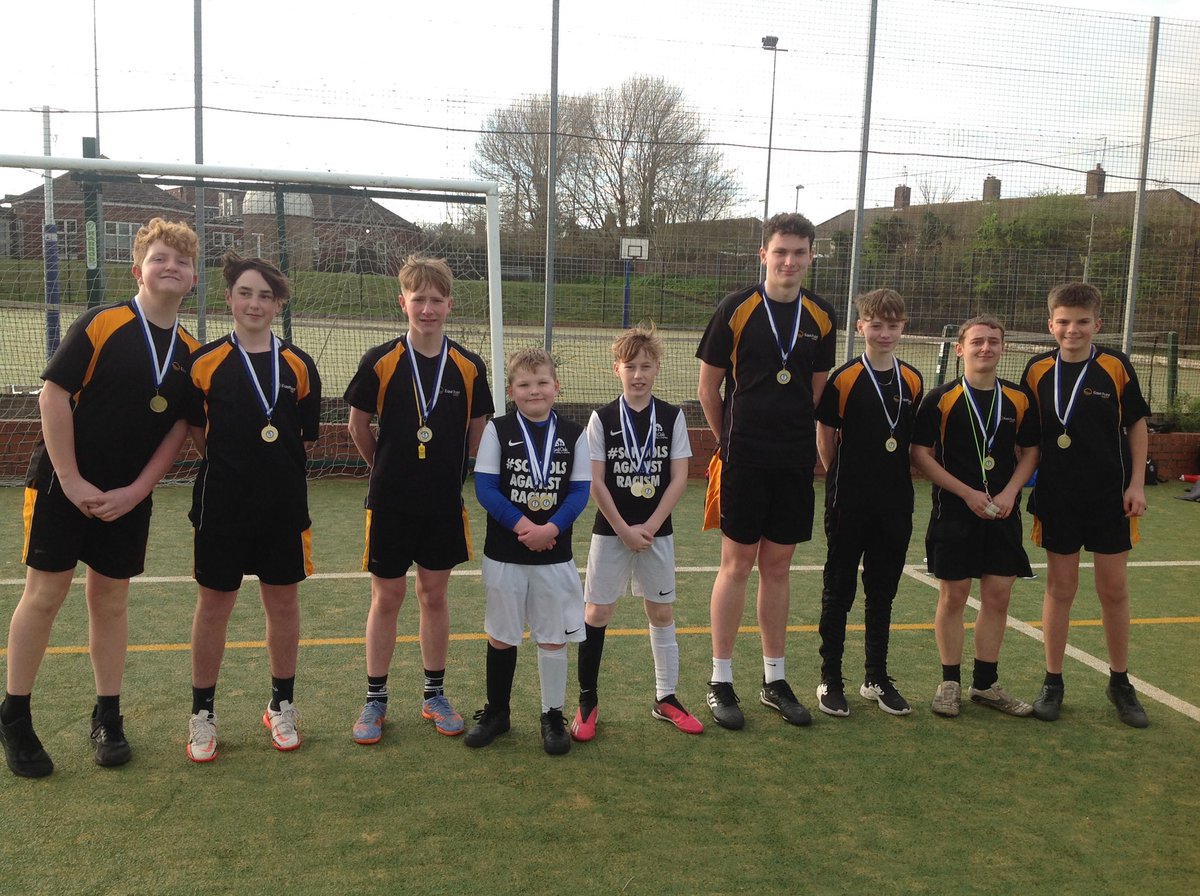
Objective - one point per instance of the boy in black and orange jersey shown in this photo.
(256, 407)
(432, 400)
(532, 477)
(112, 424)
(864, 423)
(1090, 489)
(770, 347)
(975, 438)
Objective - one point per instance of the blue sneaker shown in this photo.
(369, 727)
(441, 713)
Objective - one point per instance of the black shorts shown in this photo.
(395, 541)
(967, 547)
(224, 554)
(758, 503)
(1066, 533)
(58, 536)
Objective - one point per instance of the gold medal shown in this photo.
(989, 463)
(547, 501)
(424, 434)
(891, 445)
(269, 433)
(647, 490)
(534, 501)
(783, 377)
(635, 488)
(158, 404)
(1064, 441)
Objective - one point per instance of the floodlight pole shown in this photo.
(860, 201)
(770, 42)
(799, 187)
(201, 279)
(552, 180)
(1139, 202)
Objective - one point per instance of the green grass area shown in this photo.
(982, 804)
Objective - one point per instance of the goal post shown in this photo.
(338, 236)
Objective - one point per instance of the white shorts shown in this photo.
(548, 598)
(611, 566)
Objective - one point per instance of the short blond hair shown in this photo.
(529, 360)
(638, 339)
(176, 234)
(421, 271)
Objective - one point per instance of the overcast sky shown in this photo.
(398, 87)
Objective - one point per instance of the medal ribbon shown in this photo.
(1064, 417)
(775, 330)
(641, 453)
(160, 369)
(988, 438)
(539, 470)
(269, 409)
(425, 406)
(879, 391)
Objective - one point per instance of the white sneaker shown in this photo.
(202, 737)
(282, 723)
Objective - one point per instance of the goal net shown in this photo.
(340, 238)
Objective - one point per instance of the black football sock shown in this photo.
(952, 673)
(377, 690)
(984, 675)
(281, 689)
(501, 668)
(435, 682)
(14, 707)
(203, 699)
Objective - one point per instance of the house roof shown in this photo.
(126, 193)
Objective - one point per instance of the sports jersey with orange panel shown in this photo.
(245, 481)
(401, 480)
(1092, 474)
(107, 366)
(864, 475)
(766, 423)
(607, 443)
(946, 423)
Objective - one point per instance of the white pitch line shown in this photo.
(1144, 687)
(474, 573)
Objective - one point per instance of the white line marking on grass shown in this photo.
(474, 573)
(1144, 687)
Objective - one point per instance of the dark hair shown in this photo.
(234, 265)
(789, 223)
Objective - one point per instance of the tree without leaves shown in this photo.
(628, 158)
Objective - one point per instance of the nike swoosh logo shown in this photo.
(515, 444)
(664, 593)
(572, 631)
(617, 433)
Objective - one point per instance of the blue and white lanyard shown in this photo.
(1065, 417)
(425, 405)
(160, 367)
(268, 407)
(783, 353)
(879, 391)
(641, 453)
(539, 470)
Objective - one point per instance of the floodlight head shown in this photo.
(770, 42)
